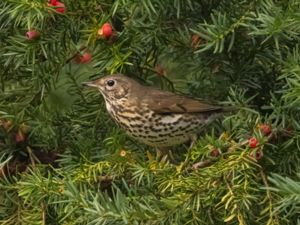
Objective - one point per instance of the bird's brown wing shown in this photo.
(168, 102)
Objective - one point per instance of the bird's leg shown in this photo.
(165, 154)
(161, 153)
(193, 142)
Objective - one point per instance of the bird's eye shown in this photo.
(110, 83)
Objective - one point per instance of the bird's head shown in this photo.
(114, 87)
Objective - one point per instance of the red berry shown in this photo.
(215, 152)
(195, 41)
(19, 136)
(265, 129)
(59, 6)
(105, 30)
(83, 58)
(252, 142)
(32, 35)
(258, 154)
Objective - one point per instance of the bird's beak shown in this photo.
(90, 84)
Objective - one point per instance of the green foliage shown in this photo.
(64, 161)
(288, 191)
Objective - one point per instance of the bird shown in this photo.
(158, 118)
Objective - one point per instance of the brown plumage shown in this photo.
(157, 118)
(168, 102)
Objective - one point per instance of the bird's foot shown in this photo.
(165, 155)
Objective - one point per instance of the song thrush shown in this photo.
(157, 118)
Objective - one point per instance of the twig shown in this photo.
(202, 164)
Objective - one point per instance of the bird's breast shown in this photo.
(158, 130)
